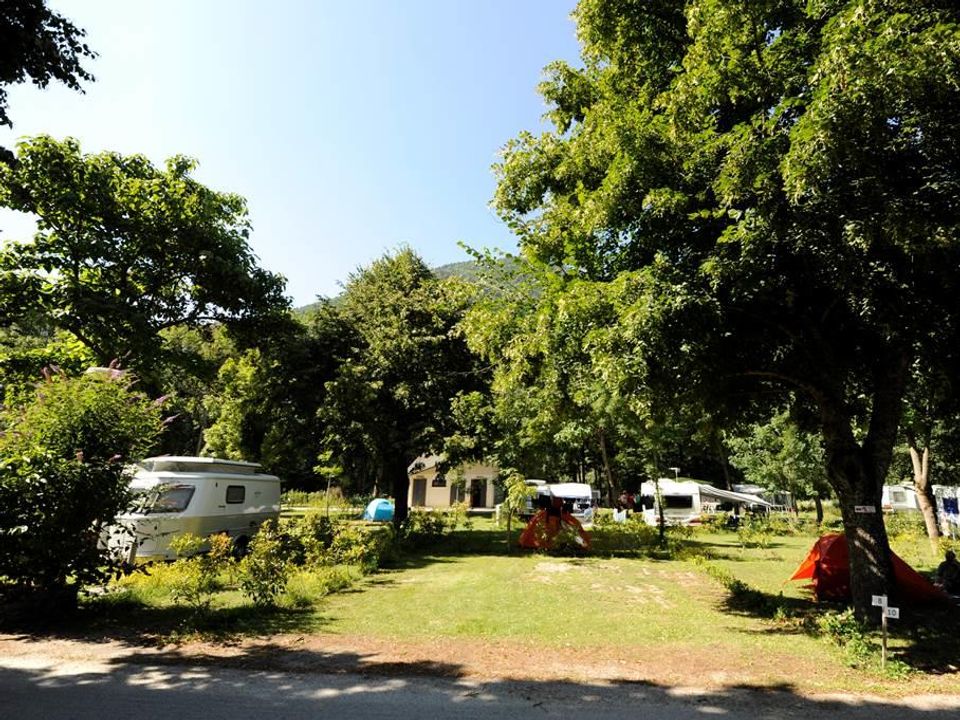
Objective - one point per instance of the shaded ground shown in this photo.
(119, 681)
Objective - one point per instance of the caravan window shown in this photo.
(678, 502)
(172, 498)
(899, 496)
(236, 494)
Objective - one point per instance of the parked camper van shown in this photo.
(685, 501)
(947, 499)
(579, 497)
(899, 498)
(196, 495)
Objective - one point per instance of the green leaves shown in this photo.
(40, 45)
(390, 399)
(125, 250)
(64, 476)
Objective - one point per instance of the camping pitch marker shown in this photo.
(880, 601)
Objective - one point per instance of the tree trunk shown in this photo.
(871, 568)
(921, 483)
(818, 503)
(857, 471)
(722, 457)
(607, 470)
(395, 476)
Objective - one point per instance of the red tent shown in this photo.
(827, 566)
(543, 528)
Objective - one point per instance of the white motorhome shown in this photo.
(684, 502)
(579, 497)
(947, 498)
(899, 498)
(198, 495)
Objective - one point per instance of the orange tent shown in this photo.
(544, 527)
(827, 566)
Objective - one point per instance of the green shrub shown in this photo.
(424, 526)
(754, 532)
(195, 575)
(906, 526)
(715, 522)
(307, 539)
(317, 499)
(360, 545)
(264, 571)
(457, 517)
(63, 479)
(844, 630)
(632, 536)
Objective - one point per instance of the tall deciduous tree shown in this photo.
(125, 250)
(558, 391)
(930, 430)
(266, 406)
(782, 179)
(390, 399)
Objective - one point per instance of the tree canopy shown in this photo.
(39, 45)
(780, 180)
(64, 475)
(125, 250)
(390, 399)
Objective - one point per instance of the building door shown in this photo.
(419, 492)
(478, 492)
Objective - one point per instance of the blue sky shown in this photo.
(350, 127)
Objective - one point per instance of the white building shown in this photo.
(472, 483)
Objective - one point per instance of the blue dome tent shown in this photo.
(379, 510)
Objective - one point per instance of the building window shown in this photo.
(236, 494)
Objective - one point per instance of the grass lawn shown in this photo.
(670, 617)
(632, 607)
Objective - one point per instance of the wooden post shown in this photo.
(883, 654)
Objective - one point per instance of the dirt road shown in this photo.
(79, 680)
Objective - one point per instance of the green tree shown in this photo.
(559, 378)
(64, 477)
(390, 399)
(930, 434)
(38, 45)
(779, 455)
(265, 408)
(125, 250)
(779, 180)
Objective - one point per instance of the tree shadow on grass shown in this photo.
(927, 637)
(117, 617)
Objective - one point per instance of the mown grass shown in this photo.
(705, 594)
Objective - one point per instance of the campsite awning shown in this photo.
(711, 491)
(567, 491)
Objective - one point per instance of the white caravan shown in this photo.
(947, 498)
(197, 495)
(579, 497)
(685, 501)
(899, 498)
